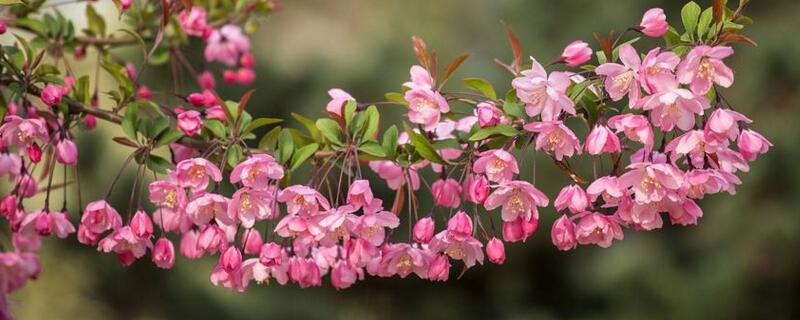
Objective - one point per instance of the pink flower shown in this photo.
(595, 228)
(576, 53)
(45, 223)
(519, 199)
(51, 94)
(216, 112)
(459, 226)
(657, 69)
(245, 76)
(520, 229)
(752, 143)
(457, 241)
(640, 216)
(67, 152)
(703, 65)
(636, 127)
(195, 173)
(251, 241)
(144, 93)
(425, 107)
(495, 251)
(303, 200)
(395, 175)
(231, 259)
(498, 164)
(488, 115)
(723, 125)
(212, 239)
(572, 197)
(207, 207)
(684, 213)
(372, 226)
(304, 272)
(99, 216)
(652, 182)
(359, 194)
(206, 80)
(27, 186)
(163, 254)
(338, 100)
(167, 194)
(476, 189)
(423, 230)
(335, 224)
(602, 140)
(248, 206)
(555, 137)
(257, 171)
(200, 99)
(673, 107)
(344, 275)
(226, 45)
(190, 122)
(231, 280)
(188, 245)
(622, 79)
(193, 21)
(654, 23)
(402, 259)
(439, 269)
(181, 152)
(16, 268)
(10, 164)
(563, 234)
(446, 193)
(125, 4)
(125, 244)
(271, 254)
(141, 225)
(543, 94)
(606, 186)
(20, 132)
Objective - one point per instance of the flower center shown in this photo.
(496, 165)
(422, 105)
(705, 70)
(171, 199)
(404, 263)
(516, 204)
(623, 80)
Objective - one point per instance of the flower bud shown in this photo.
(164, 254)
(89, 121)
(519, 229)
(67, 152)
(141, 225)
(563, 234)
(602, 140)
(51, 95)
(488, 115)
(44, 224)
(654, 23)
(446, 193)
(460, 224)
(476, 189)
(231, 259)
(251, 241)
(423, 230)
(270, 255)
(144, 93)
(576, 53)
(439, 269)
(189, 122)
(245, 76)
(247, 60)
(496, 251)
(343, 275)
(229, 76)
(35, 152)
(572, 197)
(206, 80)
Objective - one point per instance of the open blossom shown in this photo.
(654, 23)
(457, 241)
(576, 53)
(20, 132)
(250, 205)
(99, 216)
(359, 194)
(226, 45)
(423, 230)
(684, 213)
(674, 107)
(45, 223)
(195, 173)
(207, 207)
(518, 199)
(193, 21)
(256, 171)
(190, 122)
(16, 268)
(425, 107)
(636, 128)
(599, 229)
(751, 144)
(167, 194)
(67, 152)
(395, 175)
(10, 165)
(563, 234)
(446, 193)
(403, 259)
(125, 244)
(495, 251)
(607, 187)
(555, 137)
(723, 125)
(51, 94)
(602, 140)
(572, 197)
(488, 115)
(498, 164)
(543, 94)
(703, 66)
(338, 100)
(476, 189)
(372, 226)
(623, 79)
(657, 69)
(303, 200)
(163, 253)
(652, 182)
(344, 275)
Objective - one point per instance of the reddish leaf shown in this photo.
(516, 49)
(421, 51)
(243, 102)
(719, 10)
(434, 69)
(730, 37)
(125, 142)
(606, 44)
(451, 68)
(399, 198)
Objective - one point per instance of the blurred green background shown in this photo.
(741, 261)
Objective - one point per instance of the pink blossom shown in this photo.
(576, 53)
(395, 175)
(211, 238)
(636, 127)
(45, 223)
(703, 65)
(67, 152)
(251, 241)
(498, 164)
(423, 230)
(425, 107)
(144, 93)
(555, 137)
(572, 197)
(402, 259)
(520, 229)
(245, 76)
(216, 112)
(751, 144)
(20, 132)
(446, 193)
(27, 186)
(519, 199)
(167, 194)
(141, 225)
(190, 122)
(640, 216)
(99, 216)
(34, 152)
(657, 69)
(339, 98)
(231, 280)
(372, 226)
(439, 269)
(207, 207)
(602, 140)
(543, 94)
(231, 259)
(226, 45)
(304, 272)
(730, 161)
(459, 226)
(89, 121)
(181, 152)
(10, 164)
(125, 244)
(457, 241)
(623, 79)
(256, 171)
(247, 60)
(255, 270)
(476, 188)
(723, 125)
(654, 23)
(344, 275)
(303, 200)
(700, 182)
(674, 106)
(359, 194)
(271, 254)
(495, 251)
(172, 220)
(596, 228)
(488, 115)
(206, 80)
(201, 99)
(195, 173)
(652, 182)
(86, 236)
(163, 254)
(684, 213)
(335, 224)
(188, 245)
(51, 94)
(607, 186)
(193, 21)
(563, 234)
(15, 270)
(692, 143)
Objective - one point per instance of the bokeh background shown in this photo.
(741, 261)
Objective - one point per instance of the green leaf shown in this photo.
(705, 22)
(310, 126)
(330, 129)
(395, 97)
(96, 23)
(260, 122)
(373, 120)
(10, 2)
(268, 141)
(390, 141)
(36, 25)
(373, 148)
(168, 137)
(423, 146)
(234, 155)
(302, 154)
(285, 147)
(689, 15)
(482, 86)
(216, 127)
(500, 129)
(158, 164)
(129, 121)
(349, 112)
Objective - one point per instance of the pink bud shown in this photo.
(231, 259)
(251, 241)
(572, 197)
(423, 230)
(488, 115)
(496, 251)
(80, 53)
(460, 224)
(86, 236)
(270, 254)
(189, 122)
(654, 23)
(51, 95)
(67, 152)
(141, 225)
(206, 80)
(3, 27)
(8, 206)
(360, 193)
(144, 93)
(229, 76)
(164, 253)
(245, 76)
(439, 269)
(130, 70)
(13, 108)
(35, 152)
(27, 186)
(519, 229)
(44, 224)
(343, 275)
(476, 189)
(247, 60)
(189, 246)
(126, 4)
(751, 144)
(576, 53)
(602, 140)
(89, 121)
(197, 99)
(563, 234)
(216, 112)
(446, 193)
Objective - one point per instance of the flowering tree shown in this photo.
(661, 135)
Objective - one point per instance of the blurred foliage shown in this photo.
(741, 261)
